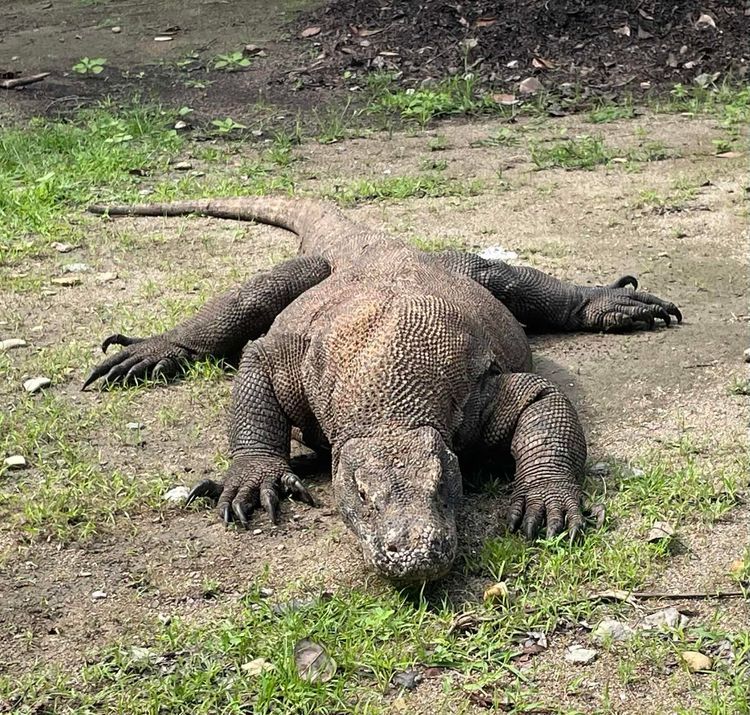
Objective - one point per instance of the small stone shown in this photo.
(62, 247)
(139, 654)
(16, 461)
(747, 355)
(116, 29)
(257, 532)
(696, 661)
(67, 281)
(106, 277)
(176, 495)
(98, 595)
(579, 654)
(660, 531)
(637, 472)
(611, 630)
(163, 38)
(11, 344)
(407, 679)
(665, 618)
(600, 469)
(76, 268)
(34, 384)
(134, 425)
(182, 166)
(531, 85)
(266, 592)
(180, 125)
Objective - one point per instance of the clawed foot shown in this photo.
(554, 503)
(249, 483)
(139, 359)
(620, 306)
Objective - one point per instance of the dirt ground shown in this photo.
(635, 392)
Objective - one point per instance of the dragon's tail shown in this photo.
(308, 219)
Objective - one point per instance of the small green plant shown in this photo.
(231, 62)
(504, 136)
(611, 113)
(740, 386)
(584, 152)
(87, 65)
(402, 187)
(226, 126)
(457, 95)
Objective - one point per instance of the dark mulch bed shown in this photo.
(616, 47)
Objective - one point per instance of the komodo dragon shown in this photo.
(396, 360)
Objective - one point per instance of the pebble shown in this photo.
(182, 166)
(67, 281)
(747, 355)
(695, 660)
(176, 495)
(76, 268)
(107, 277)
(34, 384)
(600, 469)
(257, 532)
(11, 344)
(266, 592)
(180, 124)
(116, 29)
(62, 247)
(16, 461)
(135, 425)
(610, 629)
(665, 618)
(579, 654)
(98, 595)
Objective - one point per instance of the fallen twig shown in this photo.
(631, 596)
(22, 81)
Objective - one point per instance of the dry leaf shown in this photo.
(530, 85)
(309, 32)
(578, 654)
(660, 531)
(256, 667)
(706, 20)
(485, 21)
(506, 99)
(497, 592)
(541, 63)
(729, 154)
(313, 663)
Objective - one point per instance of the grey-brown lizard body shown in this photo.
(399, 361)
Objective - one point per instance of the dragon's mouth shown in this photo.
(427, 558)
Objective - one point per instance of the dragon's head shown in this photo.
(399, 490)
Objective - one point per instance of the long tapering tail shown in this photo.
(308, 219)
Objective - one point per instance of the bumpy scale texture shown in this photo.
(396, 361)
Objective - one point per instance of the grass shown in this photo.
(47, 168)
(401, 187)
(584, 152)
(183, 667)
(455, 96)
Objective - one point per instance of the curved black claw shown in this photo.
(119, 339)
(624, 281)
(297, 489)
(207, 488)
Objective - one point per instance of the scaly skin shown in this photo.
(399, 362)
